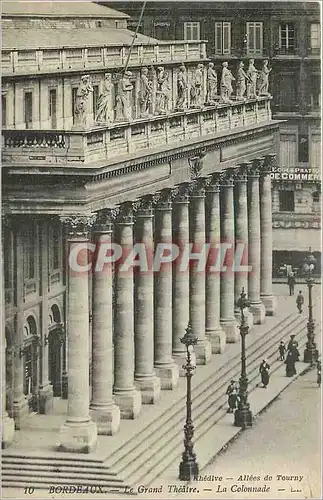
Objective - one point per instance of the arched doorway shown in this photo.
(55, 346)
(30, 357)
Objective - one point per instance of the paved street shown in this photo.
(285, 440)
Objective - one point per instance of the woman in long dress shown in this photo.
(290, 364)
(264, 372)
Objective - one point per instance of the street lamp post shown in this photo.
(243, 414)
(188, 468)
(310, 352)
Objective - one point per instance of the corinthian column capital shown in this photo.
(162, 200)
(270, 161)
(180, 193)
(78, 226)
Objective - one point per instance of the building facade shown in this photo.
(105, 145)
(288, 35)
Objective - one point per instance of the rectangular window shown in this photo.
(4, 110)
(286, 38)
(222, 38)
(74, 91)
(286, 201)
(95, 97)
(55, 244)
(191, 31)
(315, 35)
(254, 39)
(315, 93)
(28, 109)
(29, 257)
(53, 107)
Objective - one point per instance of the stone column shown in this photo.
(180, 273)
(227, 298)
(215, 333)
(45, 388)
(126, 396)
(257, 307)
(266, 225)
(203, 349)
(166, 368)
(241, 238)
(145, 375)
(79, 432)
(8, 424)
(102, 408)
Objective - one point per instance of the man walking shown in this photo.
(300, 301)
(291, 283)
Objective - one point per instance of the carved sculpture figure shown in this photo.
(123, 99)
(181, 88)
(212, 84)
(252, 74)
(163, 91)
(226, 85)
(82, 95)
(196, 88)
(263, 79)
(145, 92)
(103, 111)
(241, 82)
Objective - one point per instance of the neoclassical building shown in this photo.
(103, 145)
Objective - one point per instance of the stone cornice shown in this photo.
(144, 161)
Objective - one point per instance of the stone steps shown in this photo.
(145, 455)
(208, 407)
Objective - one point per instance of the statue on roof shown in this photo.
(123, 106)
(263, 79)
(252, 74)
(163, 91)
(181, 88)
(212, 84)
(145, 93)
(196, 96)
(226, 83)
(82, 96)
(241, 82)
(104, 105)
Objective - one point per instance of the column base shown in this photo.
(203, 351)
(107, 418)
(46, 399)
(168, 375)
(259, 312)
(20, 411)
(270, 304)
(231, 330)
(248, 318)
(8, 431)
(149, 388)
(188, 469)
(217, 339)
(129, 402)
(77, 437)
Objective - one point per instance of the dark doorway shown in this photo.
(53, 108)
(55, 361)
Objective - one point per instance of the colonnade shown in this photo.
(139, 317)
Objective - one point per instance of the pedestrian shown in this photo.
(232, 393)
(291, 283)
(300, 301)
(290, 364)
(293, 348)
(264, 372)
(282, 350)
(318, 368)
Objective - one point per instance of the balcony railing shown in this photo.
(67, 59)
(70, 148)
